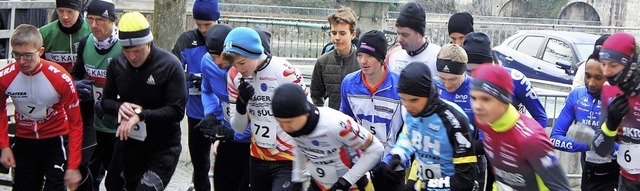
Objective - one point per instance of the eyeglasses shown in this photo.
(98, 20)
(26, 56)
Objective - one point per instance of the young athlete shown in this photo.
(437, 133)
(582, 106)
(329, 140)
(620, 108)
(252, 91)
(515, 144)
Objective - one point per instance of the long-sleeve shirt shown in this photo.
(46, 105)
(525, 97)
(189, 48)
(157, 86)
(521, 154)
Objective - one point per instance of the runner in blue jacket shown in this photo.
(583, 106)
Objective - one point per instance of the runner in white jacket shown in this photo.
(328, 139)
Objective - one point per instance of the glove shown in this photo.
(210, 127)
(84, 89)
(386, 172)
(341, 184)
(617, 109)
(97, 109)
(584, 134)
(245, 92)
(296, 186)
(192, 77)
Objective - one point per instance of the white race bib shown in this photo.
(97, 94)
(325, 174)
(33, 111)
(227, 111)
(592, 157)
(139, 131)
(629, 158)
(377, 129)
(428, 171)
(264, 133)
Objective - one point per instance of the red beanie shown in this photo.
(494, 80)
(618, 48)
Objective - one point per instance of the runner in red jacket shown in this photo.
(48, 138)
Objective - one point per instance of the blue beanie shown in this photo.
(206, 10)
(244, 41)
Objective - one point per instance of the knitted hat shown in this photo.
(373, 43)
(71, 4)
(461, 23)
(206, 10)
(618, 48)
(413, 16)
(215, 38)
(596, 50)
(490, 79)
(244, 41)
(289, 100)
(265, 38)
(478, 48)
(102, 8)
(134, 30)
(416, 80)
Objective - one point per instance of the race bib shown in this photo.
(377, 129)
(503, 187)
(325, 174)
(629, 158)
(194, 91)
(139, 131)
(97, 94)
(592, 157)
(33, 111)
(428, 171)
(264, 134)
(227, 111)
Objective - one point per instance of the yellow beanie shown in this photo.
(134, 29)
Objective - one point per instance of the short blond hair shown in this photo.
(454, 53)
(343, 15)
(26, 34)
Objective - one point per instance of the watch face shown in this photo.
(137, 110)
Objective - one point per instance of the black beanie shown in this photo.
(416, 80)
(413, 16)
(71, 4)
(596, 50)
(215, 38)
(373, 43)
(289, 101)
(265, 38)
(478, 48)
(461, 23)
(102, 8)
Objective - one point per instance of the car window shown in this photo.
(557, 50)
(514, 43)
(530, 45)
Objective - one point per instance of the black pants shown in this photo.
(149, 165)
(88, 145)
(200, 152)
(602, 177)
(625, 184)
(270, 175)
(231, 169)
(101, 160)
(114, 180)
(40, 159)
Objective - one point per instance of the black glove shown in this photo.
(296, 186)
(84, 89)
(410, 186)
(387, 173)
(245, 92)
(617, 109)
(341, 184)
(192, 77)
(209, 126)
(97, 109)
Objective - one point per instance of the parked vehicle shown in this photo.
(544, 54)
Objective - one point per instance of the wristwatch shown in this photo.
(137, 110)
